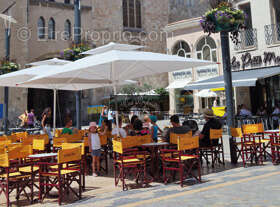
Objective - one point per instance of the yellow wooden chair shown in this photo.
(12, 178)
(216, 148)
(126, 161)
(63, 176)
(182, 159)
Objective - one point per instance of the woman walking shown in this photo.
(46, 124)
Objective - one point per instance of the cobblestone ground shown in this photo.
(229, 185)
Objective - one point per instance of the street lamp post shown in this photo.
(77, 39)
(6, 89)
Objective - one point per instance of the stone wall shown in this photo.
(186, 9)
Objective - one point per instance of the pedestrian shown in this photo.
(275, 116)
(23, 118)
(94, 148)
(31, 119)
(122, 133)
(103, 115)
(46, 124)
(244, 111)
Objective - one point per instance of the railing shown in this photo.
(247, 40)
(272, 34)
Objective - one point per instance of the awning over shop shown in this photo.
(178, 84)
(239, 79)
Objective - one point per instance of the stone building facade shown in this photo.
(186, 9)
(102, 22)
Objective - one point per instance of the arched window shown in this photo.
(51, 29)
(67, 30)
(41, 28)
(132, 14)
(182, 49)
(206, 49)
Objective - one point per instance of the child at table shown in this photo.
(94, 148)
(154, 128)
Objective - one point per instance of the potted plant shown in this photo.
(8, 66)
(74, 53)
(223, 18)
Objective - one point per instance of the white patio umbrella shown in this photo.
(112, 46)
(14, 79)
(117, 66)
(53, 61)
(206, 93)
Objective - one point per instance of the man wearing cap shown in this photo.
(177, 128)
(211, 123)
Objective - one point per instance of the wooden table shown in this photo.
(155, 156)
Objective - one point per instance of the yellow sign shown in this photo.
(236, 132)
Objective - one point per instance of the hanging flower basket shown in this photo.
(224, 18)
(7, 67)
(74, 53)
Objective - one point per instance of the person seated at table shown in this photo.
(211, 123)
(154, 128)
(275, 116)
(261, 111)
(176, 129)
(129, 128)
(23, 118)
(147, 123)
(244, 111)
(31, 119)
(138, 129)
(193, 126)
(106, 128)
(94, 148)
(122, 132)
(68, 127)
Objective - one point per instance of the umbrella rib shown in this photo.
(128, 68)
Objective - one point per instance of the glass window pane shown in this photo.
(51, 29)
(200, 44)
(214, 56)
(186, 47)
(138, 14)
(41, 28)
(181, 53)
(131, 14)
(125, 14)
(211, 42)
(67, 30)
(206, 53)
(199, 56)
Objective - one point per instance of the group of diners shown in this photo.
(191, 125)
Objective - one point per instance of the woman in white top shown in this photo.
(94, 148)
(122, 132)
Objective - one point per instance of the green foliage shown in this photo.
(8, 66)
(161, 91)
(74, 53)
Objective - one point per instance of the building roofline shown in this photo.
(183, 24)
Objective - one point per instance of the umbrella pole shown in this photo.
(116, 104)
(54, 111)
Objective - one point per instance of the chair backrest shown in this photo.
(28, 139)
(57, 141)
(20, 135)
(17, 152)
(39, 144)
(103, 140)
(188, 143)
(174, 137)
(13, 138)
(252, 128)
(72, 137)
(216, 133)
(3, 138)
(58, 132)
(119, 144)
(69, 155)
(236, 132)
(74, 145)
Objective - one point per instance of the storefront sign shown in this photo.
(247, 60)
(206, 72)
(185, 74)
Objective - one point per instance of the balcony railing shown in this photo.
(272, 34)
(247, 40)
